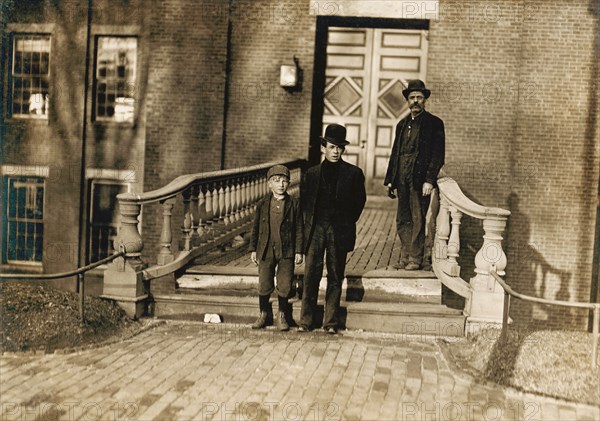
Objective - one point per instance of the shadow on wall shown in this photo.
(531, 274)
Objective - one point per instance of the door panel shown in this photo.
(347, 87)
(367, 69)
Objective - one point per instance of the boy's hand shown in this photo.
(299, 258)
(253, 258)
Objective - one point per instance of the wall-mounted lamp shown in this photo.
(290, 76)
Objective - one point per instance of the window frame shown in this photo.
(19, 31)
(92, 182)
(94, 103)
(20, 171)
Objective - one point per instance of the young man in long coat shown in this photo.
(332, 196)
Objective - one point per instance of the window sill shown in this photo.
(22, 268)
(27, 120)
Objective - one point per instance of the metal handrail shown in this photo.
(5, 277)
(508, 292)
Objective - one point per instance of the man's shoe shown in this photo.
(282, 323)
(261, 322)
(427, 267)
(302, 329)
(412, 266)
(401, 265)
(330, 330)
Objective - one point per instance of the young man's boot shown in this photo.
(282, 324)
(263, 303)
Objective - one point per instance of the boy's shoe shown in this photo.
(261, 322)
(330, 330)
(412, 266)
(302, 329)
(282, 323)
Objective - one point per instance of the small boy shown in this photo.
(276, 244)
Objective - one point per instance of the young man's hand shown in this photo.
(299, 258)
(427, 188)
(391, 191)
(253, 258)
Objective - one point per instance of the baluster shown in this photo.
(166, 255)
(237, 194)
(208, 197)
(215, 206)
(254, 195)
(195, 216)
(202, 215)
(228, 206)
(186, 229)
(454, 241)
(222, 208)
(442, 230)
(264, 188)
(245, 198)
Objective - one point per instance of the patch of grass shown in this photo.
(40, 317)
(548, 362)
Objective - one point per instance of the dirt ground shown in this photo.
(40, 317)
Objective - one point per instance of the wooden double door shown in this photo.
(366, 71)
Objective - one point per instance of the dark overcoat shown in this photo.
(291, 230)
(350, 201)
(430, 157)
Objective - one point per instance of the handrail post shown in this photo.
(595, 335)
(123, 277)
(488, 295)
(81, 281)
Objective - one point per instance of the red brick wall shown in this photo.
(557, 143)
(512, 82)
(265, 122)
(184, 102)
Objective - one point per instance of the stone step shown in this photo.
(393, 286)
(406, 318)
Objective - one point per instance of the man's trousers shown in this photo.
(322, 244)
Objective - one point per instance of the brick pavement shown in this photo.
(192, 371)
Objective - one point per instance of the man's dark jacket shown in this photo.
(350, 201)
(291, 230)
(431, 152)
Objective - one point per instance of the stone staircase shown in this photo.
(380, 300)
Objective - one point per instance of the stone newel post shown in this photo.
(123, 280)
(488, 296)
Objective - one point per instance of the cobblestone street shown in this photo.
(193, 371)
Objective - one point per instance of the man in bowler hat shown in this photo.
(416, 158)
(332, 196)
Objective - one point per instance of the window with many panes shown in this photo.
(24, 236)
(104, 217)
(30, 75)
(116, 59)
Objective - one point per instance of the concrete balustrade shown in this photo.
(484, 297)
(217, 207)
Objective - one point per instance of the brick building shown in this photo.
(114, 96)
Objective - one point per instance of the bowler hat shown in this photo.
(416, 85)
(278, 170)
(336, 134)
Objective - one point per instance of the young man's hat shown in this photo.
(336, 134)
(416, 85)
(278, 170)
